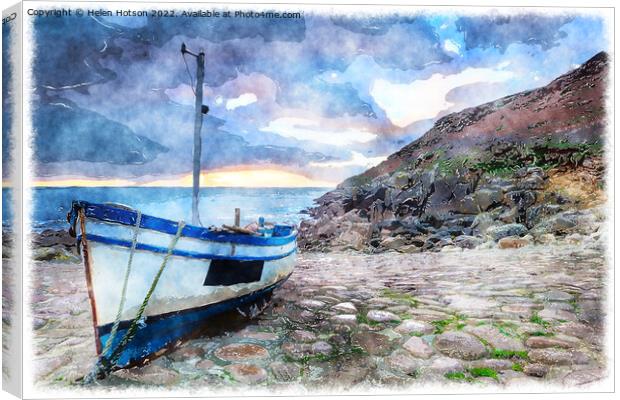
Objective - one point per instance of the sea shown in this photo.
(216, 205)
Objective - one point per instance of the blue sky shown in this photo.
(324, 96)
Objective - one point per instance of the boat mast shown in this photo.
(200, 109)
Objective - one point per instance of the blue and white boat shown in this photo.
(207, 272)
(153, 281)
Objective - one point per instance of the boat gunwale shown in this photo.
(183, 253)
(128, 217)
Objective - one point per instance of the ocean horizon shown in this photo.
(216, 206)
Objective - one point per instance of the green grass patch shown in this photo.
(455, 376)
(542, 333)
(363, 319)
(403, 316)
(507, 329)
(403, 298)
(509, 354)
(536, 319)
(440, 325)
(517, 367)
(227, 376)
(483, 372)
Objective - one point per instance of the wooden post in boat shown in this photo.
(200, 109)
(237, 217)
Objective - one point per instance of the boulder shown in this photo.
(482, 222)
(488, 197)
(512, 242)
(498, 232)
(467, 242)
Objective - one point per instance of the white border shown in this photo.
(454, 6)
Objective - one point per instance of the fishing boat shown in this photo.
(207, 272)
(153, 281)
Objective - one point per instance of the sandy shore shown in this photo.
(477, 317)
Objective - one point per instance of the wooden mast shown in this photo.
(200, 109)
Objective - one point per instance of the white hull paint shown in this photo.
(181, 285)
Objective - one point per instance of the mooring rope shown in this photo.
(104, 365)
(121, 305)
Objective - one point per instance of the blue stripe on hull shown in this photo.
(285, 234)
(182, 253)
(163, 330)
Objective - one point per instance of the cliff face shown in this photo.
(507, 161)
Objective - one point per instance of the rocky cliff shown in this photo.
(516, 170)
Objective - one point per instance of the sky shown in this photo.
(293, 102)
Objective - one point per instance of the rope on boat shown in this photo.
(104, 365)
(121, 305)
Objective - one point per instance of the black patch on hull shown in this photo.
(231, 272)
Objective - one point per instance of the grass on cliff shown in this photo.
(546, 155)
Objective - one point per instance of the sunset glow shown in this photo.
(245, 178)
(229, 177)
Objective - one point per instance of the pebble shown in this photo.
(459, 345)
(241, 352)
(418, 348)
(536, 369)
(296, 350)
(247, 373)
(576, 329)
(495, 364)
(346, 307)
(495, 338)
(403, 362)
(302, 336)
(512, 242)
(551, 356)
(205, 364)
(541, 342)
(557, 314)
(321, 347)
(443, 365)
(374, 343)
(311, 304)
(410, 326)
(285, 371)
(382, 316)
(461, 302)
(345, 319)
(555, 295)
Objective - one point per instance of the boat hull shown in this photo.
(163, 331)
(205, 273)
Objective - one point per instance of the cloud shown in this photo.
(241, 101)
(68, 133)
(305, 129)
(324, 85)
(357, 160)
(451, 46)
(405, 104)
(499, 31)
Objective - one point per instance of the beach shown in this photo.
(500, 317)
